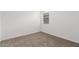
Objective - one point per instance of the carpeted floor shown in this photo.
(37, 40)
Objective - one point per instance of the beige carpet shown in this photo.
(38, 40)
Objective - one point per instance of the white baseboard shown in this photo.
(10, 37)
(63, 37)
(36, 32)
(0, 39)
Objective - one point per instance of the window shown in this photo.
(46, 18)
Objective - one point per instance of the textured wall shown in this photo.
(64, 24)
(19, 23)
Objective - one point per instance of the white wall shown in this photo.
(64, 24)
(0, 24)
(19, 23)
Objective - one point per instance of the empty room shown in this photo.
(39, 28)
